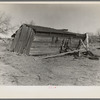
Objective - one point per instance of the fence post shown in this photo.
(87, 41)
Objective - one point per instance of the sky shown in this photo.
(80, 18)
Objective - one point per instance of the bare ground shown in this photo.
(29, 70)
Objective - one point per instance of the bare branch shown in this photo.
(5, 25)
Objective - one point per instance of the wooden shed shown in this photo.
(26, 33)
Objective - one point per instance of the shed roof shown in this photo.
(47, 29)
(41, 29)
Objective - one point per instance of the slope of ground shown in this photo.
(29, 70)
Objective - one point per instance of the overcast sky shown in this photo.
(75, 17)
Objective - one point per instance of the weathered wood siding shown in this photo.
(44, 42)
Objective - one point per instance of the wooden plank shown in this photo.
(29, 43)
(30, 40)
(62, 54)
(60, 35)
(22, 39)
(83, 45)
(19, 48)
(18, 43)
(27, 40)
(15, 41)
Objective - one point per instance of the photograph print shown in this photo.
(50, 44)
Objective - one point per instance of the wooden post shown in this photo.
(87, 41)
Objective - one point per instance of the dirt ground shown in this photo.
(61, 71)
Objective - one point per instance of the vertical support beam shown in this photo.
(52, 39)
(87, 41)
